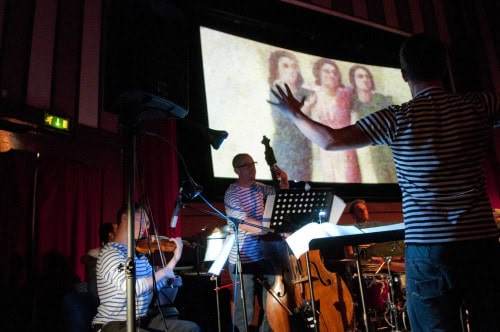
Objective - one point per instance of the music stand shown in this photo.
(293, 209)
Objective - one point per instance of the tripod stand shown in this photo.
(239, 273)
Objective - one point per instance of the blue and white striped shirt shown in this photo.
(439, 141)
(243, 202)
(111, 284)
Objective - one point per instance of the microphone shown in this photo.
(178, 206)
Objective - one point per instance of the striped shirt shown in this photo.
(439, 141)
(111, 284)
(243, 202)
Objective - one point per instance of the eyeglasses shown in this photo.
(247, 164)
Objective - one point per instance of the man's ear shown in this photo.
(237, 171)
(404, 74)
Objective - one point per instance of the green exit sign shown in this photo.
(56, 122)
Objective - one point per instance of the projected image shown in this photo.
(239, 74)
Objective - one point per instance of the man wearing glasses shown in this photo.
(244, 201)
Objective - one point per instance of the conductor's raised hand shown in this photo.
(285, 100)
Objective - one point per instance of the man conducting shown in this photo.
(439, 141)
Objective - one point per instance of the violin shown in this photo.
(155, 244)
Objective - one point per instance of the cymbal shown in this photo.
(365, 245)
(342, 260)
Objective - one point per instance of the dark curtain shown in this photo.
(73, 197)
(69, 207)
(17, 170)
(158, 176)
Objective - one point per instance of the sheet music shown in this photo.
(218, 264)
(215, 243)
(299, 241)
(268, 211)
(385, 228)
(338, 206)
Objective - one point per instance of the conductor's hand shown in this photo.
(286, 102)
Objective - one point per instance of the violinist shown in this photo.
(244, 200)
(111, 282)
(106, 234)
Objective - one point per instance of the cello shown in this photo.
(308, 296)
(323, 292)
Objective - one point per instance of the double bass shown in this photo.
(307, 297)
(277, 304)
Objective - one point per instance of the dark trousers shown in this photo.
(253, 276)
(442, 279)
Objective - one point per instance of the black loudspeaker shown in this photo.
(196, 301)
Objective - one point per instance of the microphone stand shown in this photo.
(235, 223)
(134, 107)
(239, 273)
(130, 155)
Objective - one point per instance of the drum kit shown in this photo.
(384, 281)
(382, 276)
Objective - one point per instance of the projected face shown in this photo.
(288, 70)
(330, 76)
(363, 80)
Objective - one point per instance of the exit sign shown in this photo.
(56, 122)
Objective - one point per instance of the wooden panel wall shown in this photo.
(50, 59)
(437, 17)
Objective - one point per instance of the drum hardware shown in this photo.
(390, 299)
(361, 291)
(384, 299)
(394, 312)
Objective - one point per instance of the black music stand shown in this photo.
(293, 209)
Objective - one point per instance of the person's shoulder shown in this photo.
(261, 185)
(112, 249)
(232, 187)
(94, 252)
(479, 96)
(265, 188)
(390, 109)
(231, 190)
